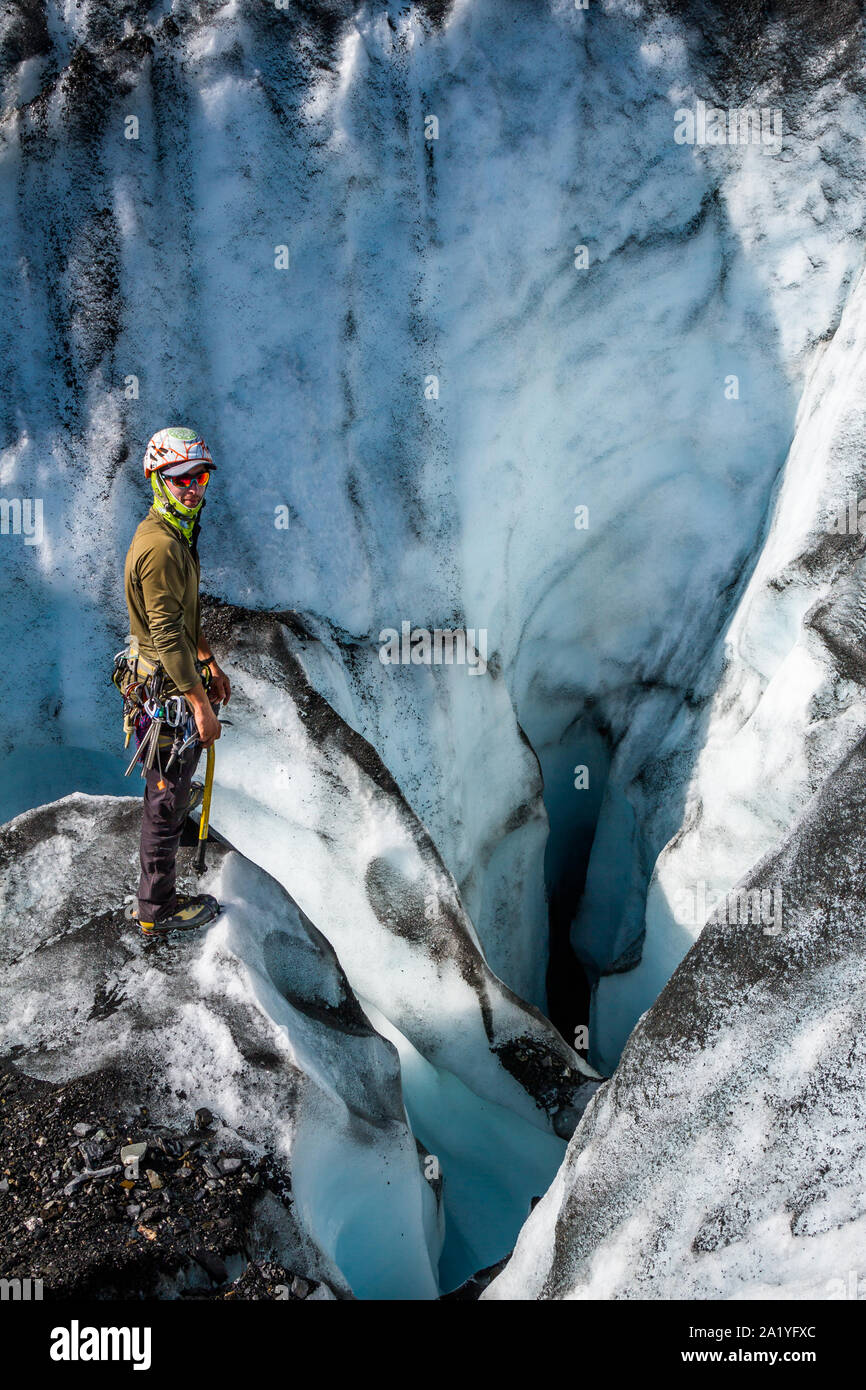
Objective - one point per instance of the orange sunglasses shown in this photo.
(189, 478)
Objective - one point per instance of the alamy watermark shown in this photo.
(847, 518)
(694, 906)
(77, 1343)
(21, 1290)
(423, 646)
(714, 125)
(22, 516)
(854, 1287)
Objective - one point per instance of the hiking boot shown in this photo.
(191, 911)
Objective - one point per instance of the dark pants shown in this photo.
(161, 826)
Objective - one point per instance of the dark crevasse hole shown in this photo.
(572, 812)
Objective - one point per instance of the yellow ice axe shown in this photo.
(205, 812)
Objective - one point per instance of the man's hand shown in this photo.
(206, 722)
(220, 688)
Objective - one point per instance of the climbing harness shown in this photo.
(149, 714)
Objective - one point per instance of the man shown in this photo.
(161, 579)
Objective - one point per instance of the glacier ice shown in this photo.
(725, 1158)
(255, 1020)
(429, 391)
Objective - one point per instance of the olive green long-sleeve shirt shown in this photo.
(161, 577)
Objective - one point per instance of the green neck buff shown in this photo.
(182, 518)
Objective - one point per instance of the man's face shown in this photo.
(188, 489)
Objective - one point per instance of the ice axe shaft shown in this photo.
(205, 812)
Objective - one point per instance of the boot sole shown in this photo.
(174, 933)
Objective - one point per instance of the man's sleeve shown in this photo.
(162, 587)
